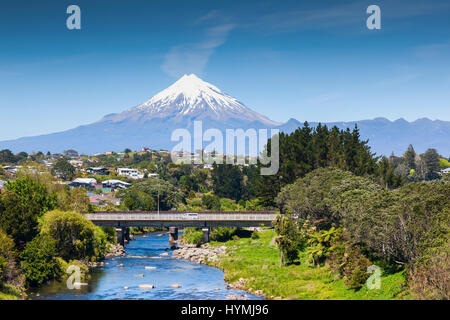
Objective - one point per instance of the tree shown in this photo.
(289, 240)
(39, 261)
(75, 236)
(228, 181)
(307, 149)
(6, 156)
(432, 165)
(410, 158)
(169, 197)
(211, 202)
(64, 170)
(139, 200)
(24, 201)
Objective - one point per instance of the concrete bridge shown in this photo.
(174, 220)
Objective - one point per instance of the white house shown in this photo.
(116, 184)
(130, 173)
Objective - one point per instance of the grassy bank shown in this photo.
(258, 262)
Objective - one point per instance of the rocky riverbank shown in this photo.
(205, 254)
(115, 250)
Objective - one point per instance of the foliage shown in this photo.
(313, 197)
(430, 279)
(289, 240)
(75, 236)
(9, 273)
(432, 164)
(255, 235)
(259, 265)
(64, 170)
(39, 261)
(322, 244)
(74, 199)
(193, 236)
(353, 267)
(309, 148)
(228, 181)
(138, 200)
(169, 196)
(222, 234)
(24, 201)
(211, 202)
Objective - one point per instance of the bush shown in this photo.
(39, 261)
(193, 236)
(255, 235)
(211, 202)
(222, 234)
(75, 236)
(354, 268)
(24, 201)
(430, 279)
(8, 270)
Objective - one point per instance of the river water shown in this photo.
(197, 282)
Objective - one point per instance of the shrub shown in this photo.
(222, 234)
(211, 202)
(8, 270)
(430, 279)
(193, 236)
(39, 261)
(24, 201)
(354, 267)
(255, 235)
(75, 236)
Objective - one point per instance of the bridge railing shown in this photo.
(180, 217)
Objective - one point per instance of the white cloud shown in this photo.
(193, 57)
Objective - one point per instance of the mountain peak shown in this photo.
(192, 97)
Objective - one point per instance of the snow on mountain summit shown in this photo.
(192, 97)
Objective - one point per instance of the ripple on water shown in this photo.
(198, 282)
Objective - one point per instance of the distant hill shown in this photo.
(189, 99)
(387, 136)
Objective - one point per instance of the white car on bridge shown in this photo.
(190, 216)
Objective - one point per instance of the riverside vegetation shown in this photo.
(342, 209)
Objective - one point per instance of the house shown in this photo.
(76, 163)
(130, 173)
(101, 200)
(116, 184)
(12, 169)
(145, 149)
(88, 183)
(445, 171)
(99, 171)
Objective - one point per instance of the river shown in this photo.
(197, 282)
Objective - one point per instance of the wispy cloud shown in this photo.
(193, 57)
(325, 16)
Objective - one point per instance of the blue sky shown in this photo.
(309, 60)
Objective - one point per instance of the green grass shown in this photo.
(8, 292)
(259, 264)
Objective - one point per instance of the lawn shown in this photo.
(258, 261)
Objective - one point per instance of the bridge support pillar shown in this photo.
(126, 234)
(120, 236)
(173, 236)
(205, 237)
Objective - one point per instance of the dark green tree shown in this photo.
(432, 164)
(64, 170)
(24, 201)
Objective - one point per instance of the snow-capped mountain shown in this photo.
(191, 97)
(151, 124)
